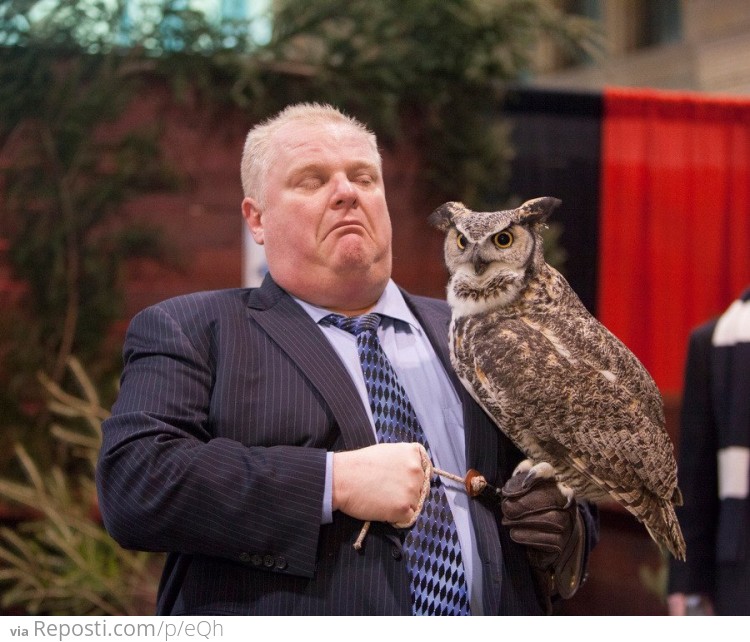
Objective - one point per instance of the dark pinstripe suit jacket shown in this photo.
(215, 452)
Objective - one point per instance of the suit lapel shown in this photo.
(291, 328)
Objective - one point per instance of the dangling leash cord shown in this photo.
(474, 483)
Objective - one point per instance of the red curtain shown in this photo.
(675, 228)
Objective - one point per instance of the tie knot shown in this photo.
(354, 325)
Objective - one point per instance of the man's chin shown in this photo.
(360, 259)
(353, 252)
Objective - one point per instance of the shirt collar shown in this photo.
(391, 305)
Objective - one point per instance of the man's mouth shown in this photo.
(348, 227)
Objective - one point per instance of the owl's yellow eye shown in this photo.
(503, 240)
(461, 241)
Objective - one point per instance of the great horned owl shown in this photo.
(563, 388)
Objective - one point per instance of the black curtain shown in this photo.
(557, 141)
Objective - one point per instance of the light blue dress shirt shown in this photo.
(435, 402)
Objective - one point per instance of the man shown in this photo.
(243, 442)
(714, 465)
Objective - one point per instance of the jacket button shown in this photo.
(396, 553)
(244, 557)
(281, 563)
(256, 560)
(268, 561)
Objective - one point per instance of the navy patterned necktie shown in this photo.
(433, 552)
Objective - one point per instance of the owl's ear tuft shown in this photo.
(442, 217)
(538, 210)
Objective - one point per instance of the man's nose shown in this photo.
(344, 195)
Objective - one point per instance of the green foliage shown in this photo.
(68, 177)
(66, 168)
(428, 70)
(60, 560)
(421, 50)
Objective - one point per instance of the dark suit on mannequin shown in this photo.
(247, 397)
(715, 419)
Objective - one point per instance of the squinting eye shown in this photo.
(503, 240)
(461, 241)
(310, 183)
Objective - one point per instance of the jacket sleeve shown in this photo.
(167, 483)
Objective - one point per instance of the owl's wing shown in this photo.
(548, 398)
(620, 452)
(625, 429)
(590, 342)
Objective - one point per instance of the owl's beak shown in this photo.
(480, 265)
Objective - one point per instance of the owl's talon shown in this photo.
(542, 470)
(524, 467)
(567, 492)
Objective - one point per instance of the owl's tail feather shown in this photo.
(657, 515)
(666, 531)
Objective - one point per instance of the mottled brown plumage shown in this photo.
(562, 387)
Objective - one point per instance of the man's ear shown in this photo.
(254, 219)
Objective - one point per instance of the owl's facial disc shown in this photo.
(501, 241)
(488, 269)
(485, 252)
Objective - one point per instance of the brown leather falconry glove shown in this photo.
(541, 518)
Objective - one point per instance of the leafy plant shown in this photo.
(429, 71)
(60, 560)
(68, 176)
(67, 165)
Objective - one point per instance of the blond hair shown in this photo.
(258, 152)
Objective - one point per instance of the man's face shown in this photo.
(324, 218)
